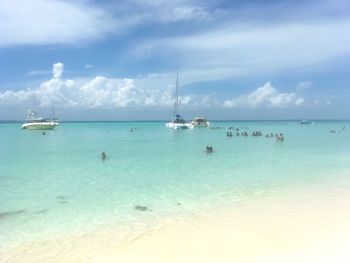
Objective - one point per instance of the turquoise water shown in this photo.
(56, 184)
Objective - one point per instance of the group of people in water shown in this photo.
(334, 131)
(279, 137)
(209, 149)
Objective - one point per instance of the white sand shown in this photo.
(310, 226)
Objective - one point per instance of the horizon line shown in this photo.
(218, 120)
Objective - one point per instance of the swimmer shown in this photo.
(103, 156)
(209, 149)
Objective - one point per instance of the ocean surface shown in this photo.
(57, 184)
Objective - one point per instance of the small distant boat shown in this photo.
(35, 122)
(303, 122)
(178, 122)
(200, 122)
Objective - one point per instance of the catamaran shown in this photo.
(178, 122)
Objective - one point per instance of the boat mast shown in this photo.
(176, 103)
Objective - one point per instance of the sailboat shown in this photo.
(178, 122)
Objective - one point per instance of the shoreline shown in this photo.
(306, 225)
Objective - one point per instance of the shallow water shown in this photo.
(57, 184)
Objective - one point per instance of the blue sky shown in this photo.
(116, 60)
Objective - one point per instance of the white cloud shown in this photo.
(265, 96)
(185, 13)
(38, 72)
(152, 91)
(304, 85)
(99, 93)
(57, 70)
(299, 101)
(170, 11)
(38, 22)
(51, 22)
(249, 48)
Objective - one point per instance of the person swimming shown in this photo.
(209, 149)
(103, 156)
(280, 137)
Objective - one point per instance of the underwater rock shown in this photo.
(42, 211)
(11, 213)
(141, 208)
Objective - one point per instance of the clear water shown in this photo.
(56, 184)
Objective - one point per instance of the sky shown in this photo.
(117, 60)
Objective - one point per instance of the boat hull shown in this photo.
(179, 126)
(206, 124)
(38, 126)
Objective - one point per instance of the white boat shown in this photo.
(303, 122)
(178, 122)
(200, 122)
(35, 122)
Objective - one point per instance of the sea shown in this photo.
(56, 183)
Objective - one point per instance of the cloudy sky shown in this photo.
(117, 60)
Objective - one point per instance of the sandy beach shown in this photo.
(310, 225)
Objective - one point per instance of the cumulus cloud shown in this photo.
(99, 93)
(102, 92)
(265, 96)
(57, 70)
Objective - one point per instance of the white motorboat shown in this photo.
(35, 122)
(200, 122)
(303, 122)
(178, 122)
